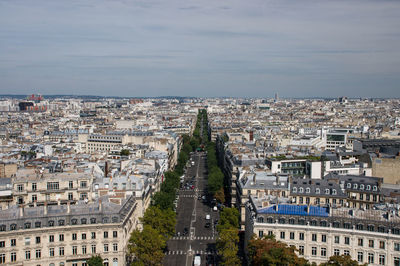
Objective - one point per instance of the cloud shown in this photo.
(303, 48)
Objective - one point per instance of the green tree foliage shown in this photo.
(228, 218)
(161, 220)
(147, 246)
(163, 200)
(342, 260)
(124, 152)
(95, 261)
(227, 245)
(268, 251)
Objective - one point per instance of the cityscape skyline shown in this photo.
(207, 49)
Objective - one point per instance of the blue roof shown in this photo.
(287, 209)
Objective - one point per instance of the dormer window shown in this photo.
(301, 190)
(368, 187)
(317, 191)
(362, 187)
(375, 188)
(334, 192)
(294, 189)
(327, 191)
(308, 190)
(348, 185)
(355, 186)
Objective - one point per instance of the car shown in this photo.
(199, 197)
(215, 208)
(207, 225)
(208, 217)
(185, 231)
(192, 187)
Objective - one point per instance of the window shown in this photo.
(51, 252)
(83, 221)
(13, 242)
(51, 223)
(336, 252)
(360, 242)
(301, 190)
(382, 244)
(291, 235)
(70, 196)
(61, 251)
(360, 256)
(314, 237)
(282, 235)
(371, 243)
(301, 250)
(260, 233)
(327, 191)
(2, 244)
(38, 253)
(74, 221)
(308, 190)
(347, 240)
(61, 222)
(27, 241)
(13, 256)
(381, 259)
(74, 250)
(83, 249)
(359, 227)
(375, 188)
(34, 198)
(301, 236)
(83, 236)
(83, 184)
(337, 239)
(314, 251)
(323, 252)
(371, 258)
(93, 248)
(93, 235)
(346, 252)
(115, 247)
(34, 186)
(53, 186)
(61, 237)
(334, 192)
(71, 184)
(115, 234)
(291, 221)
(74, 236)
(92, 220)
(38, 240)
(294, 190)
(2, 228)
(2, 258)
(323, 238)
(396, 261)
(13, 227)
(396, 246)
(317, 191)
(106, 247)
(27, 255)
(20, 188)
(105, 234)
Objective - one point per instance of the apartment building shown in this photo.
(368, 236)
(67, 234)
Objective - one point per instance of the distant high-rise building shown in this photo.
(276, 97)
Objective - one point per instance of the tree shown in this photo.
(163, 200)
(227, 245)
(147, 246)
(342, 260)
(161, 220)
(95, 261)
(124, 152)
(268, 251)
(220, 195)
(229, 218)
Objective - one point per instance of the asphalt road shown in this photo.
(191, 214)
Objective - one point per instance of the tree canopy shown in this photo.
(95, 261)
(342, 260)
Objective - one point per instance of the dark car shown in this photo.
(185, 231)
(207, 225)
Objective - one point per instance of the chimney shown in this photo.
(45, 208)
(21, 211)
(68, 207)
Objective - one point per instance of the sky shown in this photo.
(207, 48)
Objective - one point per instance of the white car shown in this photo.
(197, 260)
(208, 217)
(215, 208)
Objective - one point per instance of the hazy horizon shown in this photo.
(150, 48)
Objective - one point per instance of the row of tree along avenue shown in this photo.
(147, 245)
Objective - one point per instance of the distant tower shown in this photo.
(276, 97)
